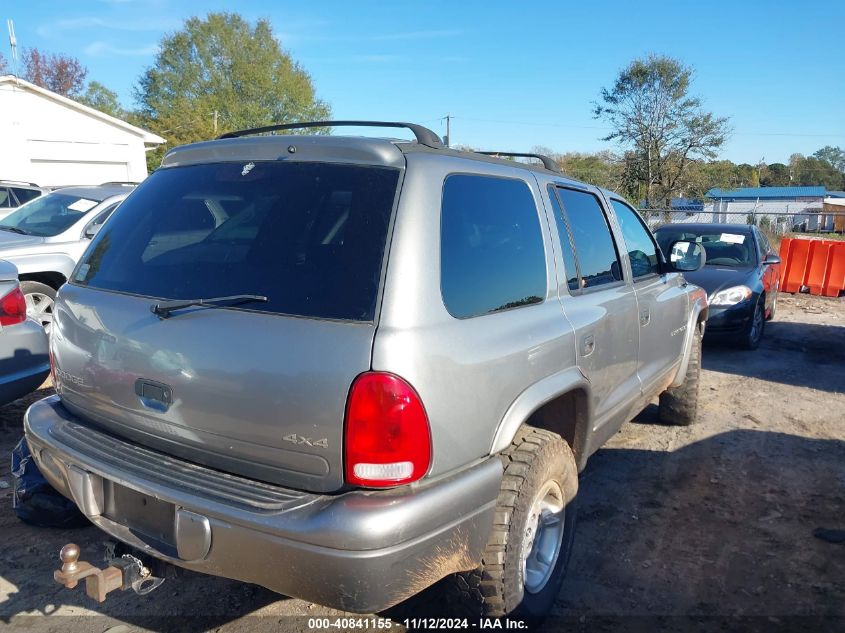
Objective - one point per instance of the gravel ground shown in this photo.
(707, 521)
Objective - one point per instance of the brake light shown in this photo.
(12, 308)
(388, 441)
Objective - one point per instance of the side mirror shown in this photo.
(771, 258)
(686, 257)
(92, 230)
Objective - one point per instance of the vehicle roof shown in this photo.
(709, 226)
(358, 149)
(98, 192)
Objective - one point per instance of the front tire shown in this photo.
(679, 405)
(529, 548)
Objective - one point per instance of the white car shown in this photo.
(45, 238)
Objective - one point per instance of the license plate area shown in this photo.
(150, 519)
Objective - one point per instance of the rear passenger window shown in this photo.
(565, 242)
(491, 252)
(642, 251)
(597, 258)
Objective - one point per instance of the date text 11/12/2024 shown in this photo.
(416, 623)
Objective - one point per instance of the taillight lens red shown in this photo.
(388, 441)
(12, 308)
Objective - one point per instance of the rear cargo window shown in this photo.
(308, 236)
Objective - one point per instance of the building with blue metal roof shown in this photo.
(768, 193)
(782, 208)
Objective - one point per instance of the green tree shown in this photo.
(775, 175)
(811, 171)
(653, 116)
(834, 156)
(222, 73)
(100, 98)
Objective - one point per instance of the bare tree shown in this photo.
(659, 125)
(60, 73)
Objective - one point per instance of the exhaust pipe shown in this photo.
(125, 572)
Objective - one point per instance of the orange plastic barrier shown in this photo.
(835, 277)
(795, 265)
(816, 264)
(784, 253)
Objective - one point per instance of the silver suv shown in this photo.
(346, 368)
(46, 237)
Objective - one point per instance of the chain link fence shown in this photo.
(776, 224)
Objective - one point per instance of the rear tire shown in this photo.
(750, 339)
(679, 405)
(40, 300)
(774, 305)
(528, 551)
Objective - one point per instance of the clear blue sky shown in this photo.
(514, 75)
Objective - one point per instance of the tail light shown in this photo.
(12, 308)
(388, 441)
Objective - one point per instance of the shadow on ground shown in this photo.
(722, 527)
(784, 354)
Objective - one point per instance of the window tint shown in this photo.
(565, 243)
(641, 248)
(25, 195)
(594, 247)
(308, 236)
(491, 253)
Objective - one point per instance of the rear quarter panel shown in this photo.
(468, 372)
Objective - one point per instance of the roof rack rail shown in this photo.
(18, 182)
(423, 135)
(119, 182)
(548, 163)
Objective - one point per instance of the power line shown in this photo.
(607, 129)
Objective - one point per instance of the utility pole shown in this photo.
(214, 115)
(448, 129)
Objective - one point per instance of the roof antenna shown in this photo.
(13, 43)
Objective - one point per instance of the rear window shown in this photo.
(308, 236)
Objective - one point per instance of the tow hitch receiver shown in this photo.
(126, 572)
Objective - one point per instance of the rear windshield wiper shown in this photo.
(162, 309)
(13, 229)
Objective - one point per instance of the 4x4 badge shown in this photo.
(247, 168)
(298, 439)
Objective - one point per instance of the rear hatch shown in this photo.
(258, 388)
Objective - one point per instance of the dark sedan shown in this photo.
(741, 277)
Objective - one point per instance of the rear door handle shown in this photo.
(645, 316)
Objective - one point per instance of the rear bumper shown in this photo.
(24, 360)
(361, 551)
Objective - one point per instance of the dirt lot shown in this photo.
(711, 520)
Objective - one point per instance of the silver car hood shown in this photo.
(9, 240)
